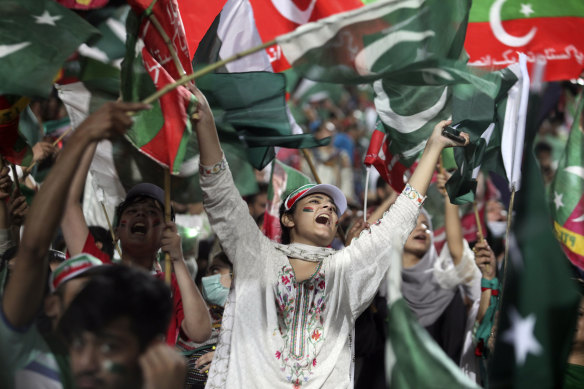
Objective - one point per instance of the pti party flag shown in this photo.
(567, 205)
(14, 147)
(284, 179)
(36, 37)
(540, 298)
(389, 166)
(549, 31)
(163, 132)
(412, 358)
(277, 17)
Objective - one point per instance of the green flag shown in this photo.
(253, 105)
(539, 299)
(36, 37)
(412, 358)
(567, 204)
(493, 126)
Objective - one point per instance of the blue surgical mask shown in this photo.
(213, 291)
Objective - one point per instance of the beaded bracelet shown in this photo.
(219, 166)
(413, 194)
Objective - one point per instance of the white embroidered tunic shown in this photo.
(277, 332)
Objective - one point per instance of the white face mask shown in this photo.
(497, 228)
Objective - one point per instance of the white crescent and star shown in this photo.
(290, 11)
(405, 124)
(500, 33)
(577, 170)
(46, 18)
(10, 49)
(521, 336)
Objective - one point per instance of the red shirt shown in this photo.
(177, 316)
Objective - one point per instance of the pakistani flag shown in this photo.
(549, 31)
(412, 358)
(410, 42)
(539, 300)
(567, 205)
(496, 126)
(36, 37)
(284, 179)
(163, 132)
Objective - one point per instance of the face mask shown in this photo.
(498, 229)
(213, 291)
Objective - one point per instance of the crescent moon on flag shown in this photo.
(500, 33)
(366, 58)
(579, 219)
(577, 170)
(290, 11)
(405, 124)
(9, 49)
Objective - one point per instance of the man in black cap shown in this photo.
(140, 228)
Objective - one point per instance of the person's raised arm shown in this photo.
(420, 179)
(24, 293)
(210, 152)
(197, 322)
(454, 236)
(73, 224)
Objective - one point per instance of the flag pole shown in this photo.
(111, 230)
(16, 181)
(167, 261)
(26, 171)
(206, 70)
(505, 258)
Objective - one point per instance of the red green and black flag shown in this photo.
(163, 132)
(567, 202)
(549, 31)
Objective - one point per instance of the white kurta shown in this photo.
(276, 332)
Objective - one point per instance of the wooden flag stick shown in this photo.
(167, 260)
(16, 181)
(505, 258)
(206, 70)
(168, 43)
(26, 171)
(109, 225)
(480, 234)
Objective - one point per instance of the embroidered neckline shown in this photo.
(305, 252)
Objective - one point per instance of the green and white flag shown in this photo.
(412, 42)
(36, 37)
(540, 298)
(496, 126)
(412, 358)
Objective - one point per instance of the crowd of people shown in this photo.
(240, 310)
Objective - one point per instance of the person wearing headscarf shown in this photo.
(436, 286)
